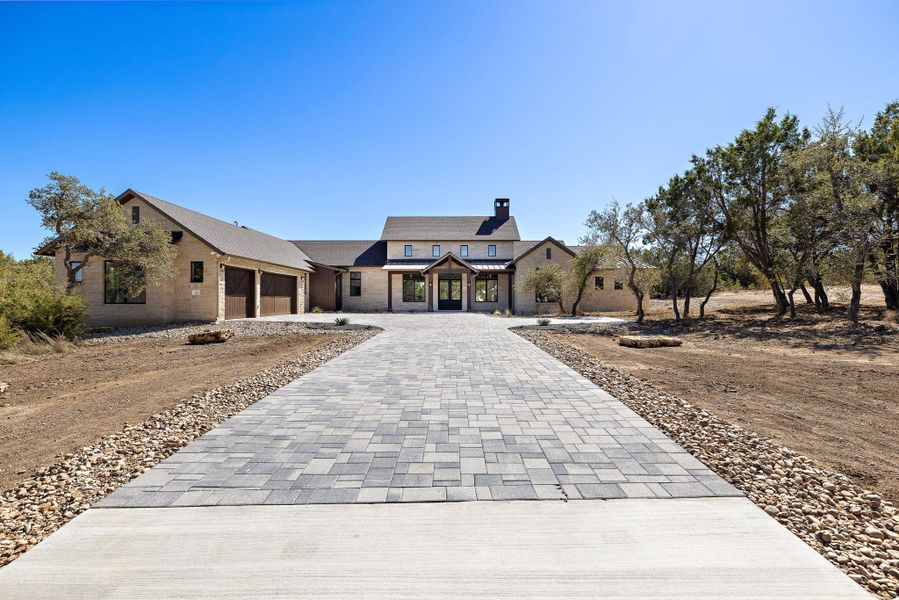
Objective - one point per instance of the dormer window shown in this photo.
(135, 214)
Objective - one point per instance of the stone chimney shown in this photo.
(501, 209)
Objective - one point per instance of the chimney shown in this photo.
(501, 209)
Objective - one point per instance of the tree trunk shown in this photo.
(709, 295)
(674, 307)
(808, 297)
(687, 296)
(792, 302)
(640, 315)
(821, 299)
(780, 298)
(855, 301)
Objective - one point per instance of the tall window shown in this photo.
(619, 284)
(196, 271)
(598, 283)
(413, 288)
(491, 250)
(113, 291)
(355, 283)
(435, 250)
(486, 288)
(135, 214)
(549, 253)
(407, 250)
(79, 274)
(463, 250)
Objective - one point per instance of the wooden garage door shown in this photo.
(238, 293)
(278, 294)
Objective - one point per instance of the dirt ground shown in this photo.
(59, 402)
(816, 384)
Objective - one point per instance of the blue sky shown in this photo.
(317, 119)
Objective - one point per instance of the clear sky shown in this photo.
(315, 120)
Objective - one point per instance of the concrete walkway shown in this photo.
(436, 408)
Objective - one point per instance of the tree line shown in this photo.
(806, 208)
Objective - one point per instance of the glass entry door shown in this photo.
(449, 292)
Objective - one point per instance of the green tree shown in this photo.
(547, 282)
(86, 223)
(624, 229)
(879, 151)
(590, 259)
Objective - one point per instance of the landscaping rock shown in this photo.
(852, 527)
(210, 337)
(44, 502)
(3, 387)
(649, 341)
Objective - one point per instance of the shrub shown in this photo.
(8, 335)
(317, 309)
(543, 322)
(508, 312)
(30, 300)
(341, 321)
(496, 313)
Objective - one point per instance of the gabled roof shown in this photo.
(450, 256)
(449, 228)
(344, 253)
(227, 238)
(526, 248)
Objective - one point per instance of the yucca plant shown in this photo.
(341, 321)
(543, 322)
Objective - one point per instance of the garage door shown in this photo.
(278, 294)
(238, 293)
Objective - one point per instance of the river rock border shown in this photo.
(852, 527)
(53, 495)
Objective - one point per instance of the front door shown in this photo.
(449, 292)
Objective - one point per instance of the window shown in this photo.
(413, 288)
(196, 271)
(549, 253)
(113, 290)
(545, 297)
(79, 274)
(463, 250)
(491, 250)
(355, 283)
(435, 250)
(407, 250)
(619, 284)
(135, 214)
(598, 283)
(486, 288)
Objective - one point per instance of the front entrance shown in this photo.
(449, 292)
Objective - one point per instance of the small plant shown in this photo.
(508, 312)
(317, 310)
(543, 322)
(496, 313)
(341, 321)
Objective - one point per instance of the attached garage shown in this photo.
(277, 294)
(239, 293)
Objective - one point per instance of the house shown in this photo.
(419, 264)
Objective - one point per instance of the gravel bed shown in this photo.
(53, 495)
(253, 328)
(852, 527)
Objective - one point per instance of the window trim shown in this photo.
(135, 214)
(491, 250)
(125, 300)
(407, 250)
(414, 278)
(463, 250)
(355, 276)
(435, 251)
(485, 279)
(193, 278)
(599, 282)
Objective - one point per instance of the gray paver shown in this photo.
(437, 407)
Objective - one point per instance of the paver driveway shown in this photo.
(437, 407)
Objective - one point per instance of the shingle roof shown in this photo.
(449, 228)
(344, 253)
(228, 238)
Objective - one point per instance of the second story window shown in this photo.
(435, 250)
(355, 283)
(549, 253)
(491, 250)
(463, 250)
(407, 250)
(135, 214)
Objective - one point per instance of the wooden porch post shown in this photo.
(389, 291)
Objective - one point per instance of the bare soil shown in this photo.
(58, 402)
(817, 384)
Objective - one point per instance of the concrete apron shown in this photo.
(662, 548)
